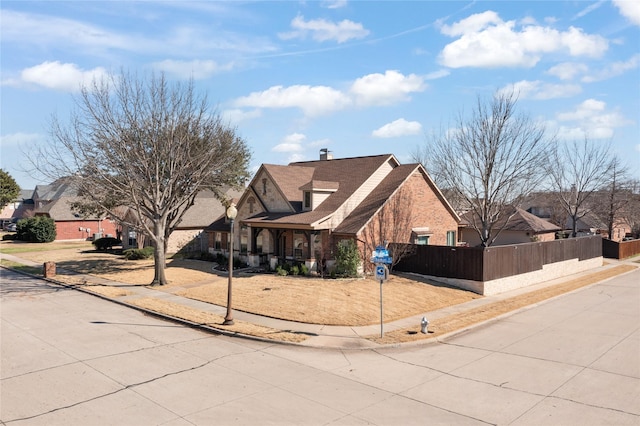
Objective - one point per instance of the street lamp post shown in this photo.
(231, 214)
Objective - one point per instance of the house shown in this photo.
(55, 201)
(521, 227)
(188, 235)
(18, 208)
(301, 211)
(546, 206)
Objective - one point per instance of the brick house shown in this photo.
(299, 212)
(55, 200)
(188, 235)
(521, 227)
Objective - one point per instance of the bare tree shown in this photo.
(631, 212)
(577, 169)
(391, 224)
(489, 160)
(147, 145)
(609, 203)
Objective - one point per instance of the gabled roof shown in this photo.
(520, 221)
(205, 208)
(59, 188)
(59, 209)
(366, 210)
(288, 179)
(344, 175)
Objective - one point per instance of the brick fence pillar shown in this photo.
(49, 269)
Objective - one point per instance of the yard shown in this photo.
(348, 302)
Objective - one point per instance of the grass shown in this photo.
(33, 270)
(311, 300)
(22, 247)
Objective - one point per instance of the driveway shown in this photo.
(68, 358)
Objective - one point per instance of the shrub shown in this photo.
(138, 254)
(106, 243)
(304, 270)
(295, 270)
(347, 259)
(281, 271)
(38, 229)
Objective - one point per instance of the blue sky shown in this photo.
(356, 77)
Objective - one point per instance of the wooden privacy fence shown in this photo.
(490, 263)
(620, 250)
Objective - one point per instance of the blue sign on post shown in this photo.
(381, 256)
(381, 273)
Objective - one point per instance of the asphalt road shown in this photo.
(68, 358)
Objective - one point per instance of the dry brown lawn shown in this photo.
(348, 302)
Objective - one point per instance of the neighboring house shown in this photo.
(301, 211)
(522, 227)
(55, 201)
(188, 235)
(19, 208)
(546, 206)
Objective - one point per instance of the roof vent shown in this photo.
(325, 154)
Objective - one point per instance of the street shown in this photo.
(68, 358)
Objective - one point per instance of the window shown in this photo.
(243, 239)
(451, 238)
(264, 186)
(422, 240)
(307, 199)
(243, 243)
(259, 244)
(133, 239)
(217, 244)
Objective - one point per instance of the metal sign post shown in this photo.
(381, 259)
(381, 316)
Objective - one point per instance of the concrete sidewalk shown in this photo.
(337, 337)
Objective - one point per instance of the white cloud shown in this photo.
(313, 100)
(323, 30)
(630, 9)
(589, 9)
(472, 24)
(196, 69)
(568, 70)
(437, 74)
(334, 4)
(613, 69)
(397, 128)
(290, 143)
(320, 142)
(590, 118)
(63, 77)
(370, 90)
(16, 139)
(385, 89)
(49, 31)
(540, 90)
(486, 41)
(237, 116)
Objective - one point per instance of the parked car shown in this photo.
(12, 227)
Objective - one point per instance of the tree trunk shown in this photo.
(159, 256)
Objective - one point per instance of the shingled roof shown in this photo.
(366, 210)
(344, 175)
(520, 221)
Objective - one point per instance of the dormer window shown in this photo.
(315, 192)
(307, 200)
